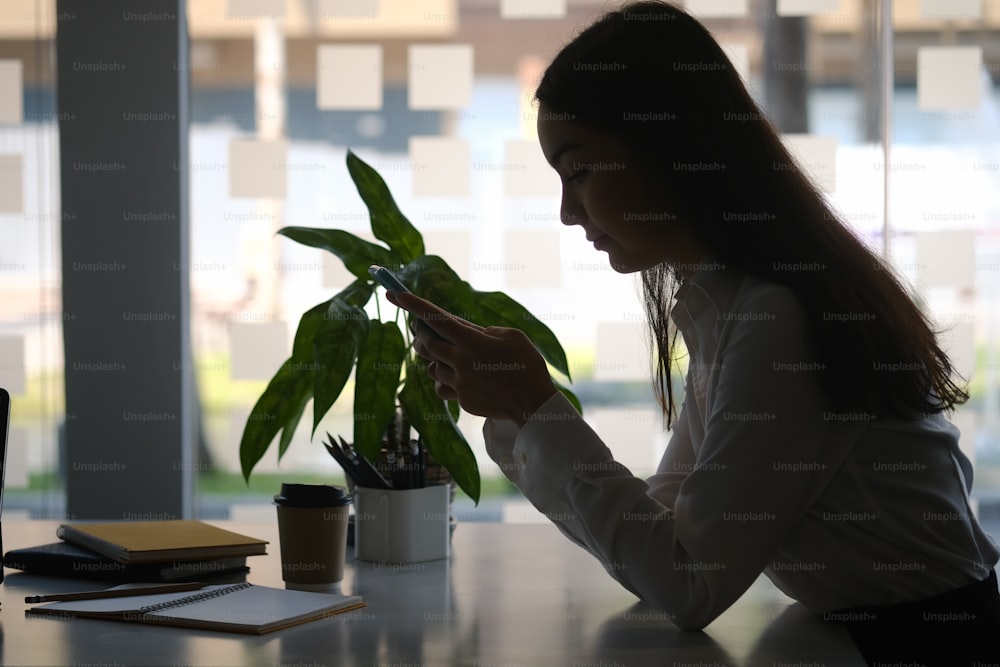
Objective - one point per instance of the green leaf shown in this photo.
(444, 442)
(498, 309)
(388, 222)
(281, 405)
(335, 348)
(376, 379)
(432, 278)
(356, 253)
(300, 398)
(277, 407)
(309, 324)
(454, 409)
(357, 293)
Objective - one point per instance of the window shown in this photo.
(435, 95)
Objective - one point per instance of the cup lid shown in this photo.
(312, 495)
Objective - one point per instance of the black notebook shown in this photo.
(63, 559)
(241, 608)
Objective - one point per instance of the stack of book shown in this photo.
(132, 551)
(168, 551)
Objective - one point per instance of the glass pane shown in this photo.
(31, 353)
(275, 110)
(943, 189)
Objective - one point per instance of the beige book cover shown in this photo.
(158, 541)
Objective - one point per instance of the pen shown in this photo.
(397, 466)
(372, 475)
(349, 463)
(411, 469)
(345, 463)
(115, 593)
(367, 475)
(418, 460)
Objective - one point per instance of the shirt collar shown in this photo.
(712, 285)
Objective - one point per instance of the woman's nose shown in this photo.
(570, 212)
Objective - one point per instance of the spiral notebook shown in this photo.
(239, 607)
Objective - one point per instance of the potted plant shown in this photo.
(338, 336)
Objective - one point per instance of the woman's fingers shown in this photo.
(491, 372)
(429, 344)
(444, 377)
(444, 324)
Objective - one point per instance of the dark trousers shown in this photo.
(960, 628)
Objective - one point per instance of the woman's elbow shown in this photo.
(691, 623)
(690, 615)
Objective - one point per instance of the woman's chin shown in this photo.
(623, 266)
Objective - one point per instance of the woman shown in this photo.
(811, 444)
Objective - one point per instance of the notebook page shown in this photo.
(258, 605)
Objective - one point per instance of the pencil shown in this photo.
(373, 478)
(115, 593)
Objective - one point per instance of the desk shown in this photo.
(510, 595)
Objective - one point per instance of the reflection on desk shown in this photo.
(511, 594)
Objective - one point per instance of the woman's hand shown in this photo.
(492, 372)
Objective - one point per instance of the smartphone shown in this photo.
(387, 278)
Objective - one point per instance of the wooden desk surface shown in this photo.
(510, 595)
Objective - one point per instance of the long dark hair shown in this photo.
(653, 76)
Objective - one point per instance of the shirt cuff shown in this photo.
(499, 436)
(554, 446)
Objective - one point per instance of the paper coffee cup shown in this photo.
(312, 533)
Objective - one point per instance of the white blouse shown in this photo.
(837, 509)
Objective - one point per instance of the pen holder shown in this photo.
(401, 526)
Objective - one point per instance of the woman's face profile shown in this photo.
(621, 207)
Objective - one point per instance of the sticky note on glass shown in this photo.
(532, 9)
(454, 247)
(525, 171)
(947, 259)
(349, 76)
(334, 273)
(16, 465)
(948, 77)
(258, 168)
(441, 166)
(348, 9)
(13, 376)
(253, 9)
(707, 9)
(257, 349)
(11, 92)
(531, 259)
(634, 432)
(440, 76)
(806, 7)
(958, 339)
(739, 55)
(11, 184)
(951, 9)
(621, 352)
(818, 157)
